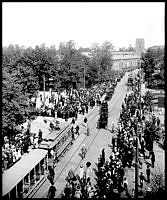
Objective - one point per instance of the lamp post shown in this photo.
(44, 88)
(84, 75)
(84, 72)
(137, 139)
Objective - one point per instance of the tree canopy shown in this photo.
(152, 60)
(24, 69)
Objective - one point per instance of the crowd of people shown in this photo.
(111, 180)
(71, 103)
(67, 106)
(79, 185)
(21, 144)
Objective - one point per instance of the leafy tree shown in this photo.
(157, 183)
(15, 105)
(102, 59)
(152, 60)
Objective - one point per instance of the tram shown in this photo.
(103, 119)
(21, 180)
(58, 141)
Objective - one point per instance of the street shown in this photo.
(97, 140)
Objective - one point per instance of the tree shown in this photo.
(20, 80)
(102, 59)
(130, 48)
(15, 105)
(151, 60)
(157, 183)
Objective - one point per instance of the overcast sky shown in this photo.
(31, 24)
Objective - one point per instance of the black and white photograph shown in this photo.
(83, 89)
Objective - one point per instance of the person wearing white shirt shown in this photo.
(18, 154)
(88, 170)
(81, 173)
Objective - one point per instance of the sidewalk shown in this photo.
(159, 165)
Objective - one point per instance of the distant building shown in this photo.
(156, 47)
(140, 46)
(124, 60)
(128, 59)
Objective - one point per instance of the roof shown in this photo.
(20, 169)
(53, 138)
(125, 56)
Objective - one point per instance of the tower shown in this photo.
(139, 46)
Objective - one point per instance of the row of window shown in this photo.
(22, 189)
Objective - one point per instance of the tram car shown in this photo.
(103, 119)
(58, 141)
(22, 179)
(109, 93)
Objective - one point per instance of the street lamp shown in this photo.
(137, 139)
(84, 73)
(44, 88)
(84, 76)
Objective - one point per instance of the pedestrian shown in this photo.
(148, 192)
(158, 121)
(67, 191)
(81, 173)
(148, 172)
(133, 193)
(87, 130)
(154, 119)
(83, 151)
(86, 108)
(73, 121)
(122, 173)
(39, 136)
(125, 183)
(72, 134)
(51, 174)
(88, 171)
(141, 179)
(52, 191)
(77, 129)
(113, 142)
(76, 115)
(152, 159)
(142, 144)
(103, 156)
(85, 120)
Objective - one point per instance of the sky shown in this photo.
(31, 24)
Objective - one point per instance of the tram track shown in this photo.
(77, 150)
(92, 123)
(94, 128)
(93, 111)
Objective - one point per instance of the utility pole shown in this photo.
(137, 139)
(136, 166)
(44, 88)
(84, 75)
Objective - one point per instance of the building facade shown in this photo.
(125, 60)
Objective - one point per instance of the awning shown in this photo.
(20, 169)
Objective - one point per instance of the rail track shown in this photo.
(92, 123)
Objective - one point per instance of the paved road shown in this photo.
(97, 140)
